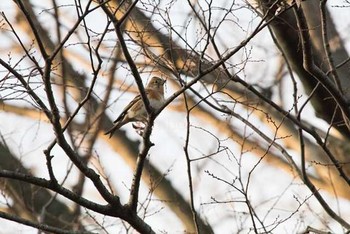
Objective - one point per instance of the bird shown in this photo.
(135, 111)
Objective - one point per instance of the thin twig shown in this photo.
(34, 29)
(332, 68)
(188, 163)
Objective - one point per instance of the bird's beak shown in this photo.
(163, 81)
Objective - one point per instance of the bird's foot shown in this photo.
(139, 127)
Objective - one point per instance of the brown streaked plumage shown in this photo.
(135, 110)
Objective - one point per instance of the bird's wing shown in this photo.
(129, 106)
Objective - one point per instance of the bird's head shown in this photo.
(155, 83)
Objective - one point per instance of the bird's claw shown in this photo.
(139, 127)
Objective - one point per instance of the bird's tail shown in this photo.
(115, 127)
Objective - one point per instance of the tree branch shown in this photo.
(118, 30)
(39, 226)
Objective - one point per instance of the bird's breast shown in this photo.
(156, 103)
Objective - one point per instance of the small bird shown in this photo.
(135, 111)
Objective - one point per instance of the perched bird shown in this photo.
(135, 111)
